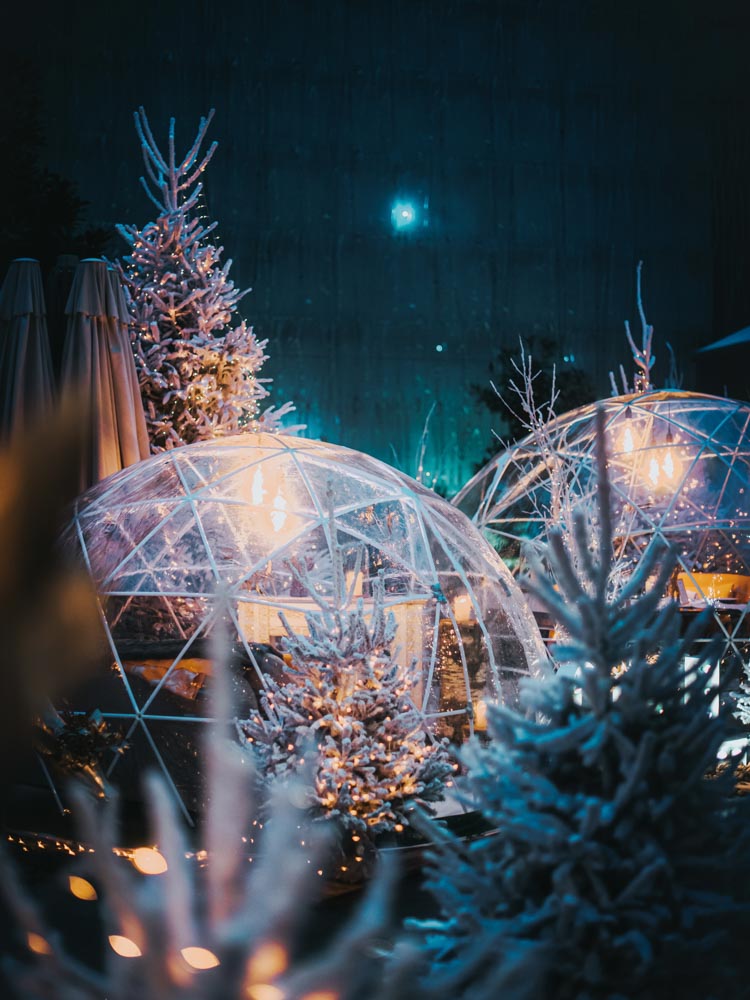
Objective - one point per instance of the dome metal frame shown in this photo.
(679, 467)
(251, 516)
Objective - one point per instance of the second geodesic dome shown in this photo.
(679, 464)
(259, 516)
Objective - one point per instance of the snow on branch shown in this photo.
(226, 917)
(197, 373)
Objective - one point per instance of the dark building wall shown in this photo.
(555, 143)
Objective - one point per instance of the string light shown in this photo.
(149, 861)
(38, 944)
(81, 888)
(268, 961)
(199, 958)
(123, 946)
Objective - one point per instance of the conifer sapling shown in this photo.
(619, 869)
(198, 375)
(347, 701)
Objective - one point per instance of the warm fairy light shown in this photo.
(81, 888)
(38, 944)
(480, 716)
(463, 608)
(149, 861)
(627, 441)
(321, 995)
(264, 991)
(125, 947)
(267, 961)
(199, 958)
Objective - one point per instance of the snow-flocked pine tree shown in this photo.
(349, 702)
(219, 928)
(198, 375)
(619, 869)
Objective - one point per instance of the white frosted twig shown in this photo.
(642, 356)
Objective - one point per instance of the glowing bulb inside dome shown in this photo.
(260, 489)
(257, 492)
(627, 440)
(199, 958)
(149, 861)
(123, 946)
(653, 472)
(278, 514)
(668, 465)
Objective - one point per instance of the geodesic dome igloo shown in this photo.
(679, 464)
(255, 515)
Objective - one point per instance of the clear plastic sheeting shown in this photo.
(258, 516)
(679, 464)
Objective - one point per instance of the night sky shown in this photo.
(545, 147)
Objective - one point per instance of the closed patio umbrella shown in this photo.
(26, 380)
(98, 360)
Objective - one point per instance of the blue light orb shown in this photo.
(403, 215)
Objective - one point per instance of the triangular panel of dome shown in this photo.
(352, 463)
(273, 482)
(213, 462)
(168, 580)
(158, 637)
(111, 536)
(175, 543)
(104, 689)
(701, 421)
(307, 551)
(393, 526)
(138, 758)
(350, 487)
(239, 536)
(178, 747)
(137, 484)
(398, 572)
(184, 688)
(144, 626)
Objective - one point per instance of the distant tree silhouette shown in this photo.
(43, 214)
(573, 385)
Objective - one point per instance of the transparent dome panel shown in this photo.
(289, 530)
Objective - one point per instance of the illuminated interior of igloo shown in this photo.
(254, 515)
(679, 464)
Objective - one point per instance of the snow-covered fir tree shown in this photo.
(198, 374)
(347, 701)
(232, 925)
(742, 703)
(619, 868)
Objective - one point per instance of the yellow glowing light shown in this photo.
(480, 716)
(38, 944)
(264, 991)
(199, 958)
(321, 995)
(278, 514)
(257, 491)
(267, 962)
(627, 441)
(149, 861)
(668, 464)
(81, 888)
(124, 946)
(463, 608)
